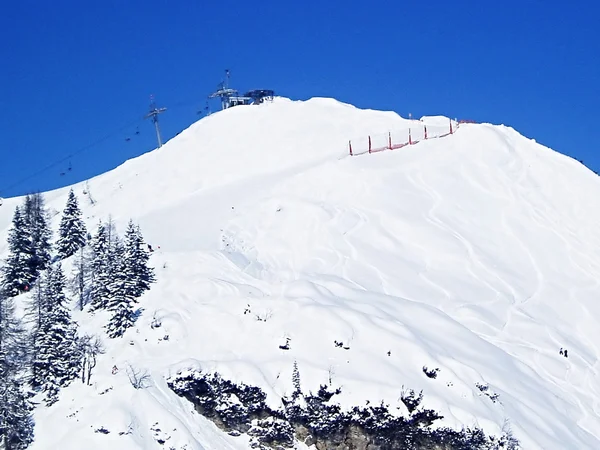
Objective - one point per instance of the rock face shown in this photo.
(314, 420)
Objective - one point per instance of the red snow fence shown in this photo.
(396, 139)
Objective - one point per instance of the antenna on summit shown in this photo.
(154, 112)
(227, 75)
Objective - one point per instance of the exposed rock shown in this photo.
(314, 420)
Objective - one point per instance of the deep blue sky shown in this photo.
(72, 72)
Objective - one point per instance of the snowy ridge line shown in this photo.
(396, 139)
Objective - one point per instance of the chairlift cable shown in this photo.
(71, 155)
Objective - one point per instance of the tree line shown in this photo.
(42, 351)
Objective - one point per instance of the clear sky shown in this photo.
(73, 72)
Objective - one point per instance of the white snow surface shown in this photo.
(477, 253)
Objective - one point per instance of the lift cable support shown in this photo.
(230, 97)
(224, 92)
(154, 112)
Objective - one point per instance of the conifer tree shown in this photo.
(36, 218)
(16, 423)
(72, 232)
(296, 381)
(57, 358)
(34, 314)
(100, 268)
(130, 279)
(122, 293)
(18, 273)
(136, 260)
(82, 276)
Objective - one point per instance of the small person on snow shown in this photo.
(115, 369)
(150, 248)
(566, 356)
(561, 352)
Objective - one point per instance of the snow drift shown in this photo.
(476, 254)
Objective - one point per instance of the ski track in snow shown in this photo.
(464, 253)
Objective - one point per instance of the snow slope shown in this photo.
(477, 253)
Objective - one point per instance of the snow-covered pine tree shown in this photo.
(296, 381)
(36, 218)
(16, 423)
(17, 273)
(58, 360)
(111, 230)
(34, 315)
(122, 293)
(100, 268)
(82, 276)
(71, 232)
(136, 260)
(11, 332)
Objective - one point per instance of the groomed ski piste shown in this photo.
(477, 253)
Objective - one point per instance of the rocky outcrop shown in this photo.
(315, 420)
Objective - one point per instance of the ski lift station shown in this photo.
(230, 97)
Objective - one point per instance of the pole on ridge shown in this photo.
(154, 112)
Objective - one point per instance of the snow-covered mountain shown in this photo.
(477, 253)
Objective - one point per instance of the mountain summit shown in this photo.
(461, 267)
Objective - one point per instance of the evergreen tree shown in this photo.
(136, 260)
(122, 293)
(131, 277)
(296, 381)
(72, 232)
(81, 281)
(16, 423)
(18, 273)
(36, 218)
(57, 358)
(35, 313)
(101, 268)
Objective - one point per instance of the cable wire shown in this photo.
(71, 155)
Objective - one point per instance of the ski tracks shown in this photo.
(474, 260)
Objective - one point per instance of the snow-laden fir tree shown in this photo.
(296, 381)
(136, 259)
(82, 276)
(130, 279)
(34, 315)
(71, 232)
(101, 268)
(16, 423)
(122, 293)
(57, 359)
(36, 218)
(17, 272)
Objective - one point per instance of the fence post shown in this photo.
(450, 126)
(350, 146)
(369, 144)
(409, 137)
(390, 140)
(425, 126)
